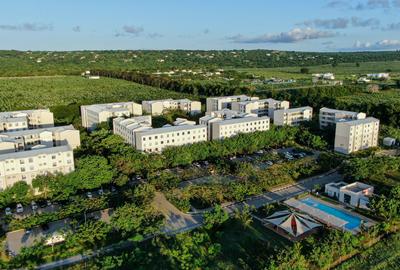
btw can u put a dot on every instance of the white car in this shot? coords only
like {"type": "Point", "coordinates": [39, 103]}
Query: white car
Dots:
{"type": "Point", "coordinates": [100, 192]}
{"type": "Point", "coordinates": [34, 205]}
{"type": "Point", "coordinates": [89, 195]}
{"type": "Point", "coordinates": [8, 211]}
{"type": "Point", "coordinates": [20, 208]}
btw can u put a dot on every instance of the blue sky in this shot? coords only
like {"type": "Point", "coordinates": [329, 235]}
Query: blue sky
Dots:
{"type": "Point", "coordinates": [306, 25]}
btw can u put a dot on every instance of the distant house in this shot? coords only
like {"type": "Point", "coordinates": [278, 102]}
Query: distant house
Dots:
{"type": "Point", "coordinates": [356, 194]}
{"type": "Point", "coordinates": [388, 141]}
{"type": "Point", "coordinates": [379, 76]}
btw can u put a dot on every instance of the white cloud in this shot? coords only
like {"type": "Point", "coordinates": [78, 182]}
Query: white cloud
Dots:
{"type": "Point", "coordinates": [295, 35]}
{"type": "Point", "coordinates": [27, 27]}
{"type": "Point", "coordinates": [385, 44]}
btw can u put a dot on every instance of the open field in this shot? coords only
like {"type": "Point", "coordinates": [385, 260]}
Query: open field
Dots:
{"type": "Point", "coordinates": [342, 70]}
{"type": "Point", "coordinates": [65, 94]}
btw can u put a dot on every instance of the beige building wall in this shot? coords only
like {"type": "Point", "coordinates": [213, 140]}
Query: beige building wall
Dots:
{"type": "Point", "coordinates": [28, 119]}
{"type": "Point", "coordinates": [231, 127]}
{"type": "Point", "coordinates": [157, 139]}
{"type": "Point", "coordinates": [329, 117]}
{"type": "Point", "coordinates": [92, 115]}
{"type": "Point", "coordinates": [27, 165]}
{"type": "Point", "coordinates": [262, 107]}
{"type": "Point", "coordinates": [220, 103]}
{"type": "Point", "coordinates": [352, 136]}
{"type": "Point", "coordinates": [292, 117]}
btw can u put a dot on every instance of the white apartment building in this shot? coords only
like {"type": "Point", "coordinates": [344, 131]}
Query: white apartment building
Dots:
{"type": "Point", "coordinates": [126, 128]}
{"type": "Point", "coordinates": [329, 117]}
{"type": "Point", "coordinates": [261, 107]}
{"type": "Point", "coordinates": [231, 127]}
{"type": "Point", "coordinates": [356, 194]}
{"type": "Point", "coordinates": [351, 136]}
{"type": "Point", "coordinates": [158, 107]}
{"type": "Point", "coordinates": [220, 115]}
{"type": "Point", "coordinates": [26, 165]}
{"type": "Point", "coordinates": [219, 103]}
{"type": "Point", "coordinates": [292, 117]}
{"type": "Point", "coordinates": [27, 119]}
{"type": "Point", "coordinates": [157, 139]}
{"type": "Point", "coordinates": [98, 113]}
{"type": "Point", "coordinates": [49, 137]}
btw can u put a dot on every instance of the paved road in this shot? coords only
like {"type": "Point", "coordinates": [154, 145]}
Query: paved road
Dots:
{"type": "Point", "coordinates": [180, 222]}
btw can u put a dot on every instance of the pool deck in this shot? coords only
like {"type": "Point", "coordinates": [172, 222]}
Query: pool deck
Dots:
{"type": "Point", "coordinates": [326, 218]}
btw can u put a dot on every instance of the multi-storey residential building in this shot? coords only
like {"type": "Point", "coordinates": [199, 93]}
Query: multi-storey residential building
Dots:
{"type": "Point", "coordinates": [292, 117]}
{"type": "Point", "coordinates": [49, 137]}
{"type": "Point", "coordinates": [126, 128]}
{"type": "Point", "coordinates": [220, 115]}
{"type": "Point", "coordinates": [26, 165]}
{"type": "Point", "coordinates": [183, 121]}
{"type": "Point", "coordinates": [261, 107]}
{"type": "Point", "coordinates": [329, 117]}
{"type": "Point", "coordinates": [28, 119]}
{"type": "Point", "coordinates": [155, 140]}
{"type": "Point", "coordinates": [158, 107]}
{"type": "Point", "coordinates": [355, 135]}
{"type": "Point", "coordinates": [231, 127]}
{"type": "Point", "coordinates": [92, 115]}
{"type": "Point", "coordinates": [219, 103]}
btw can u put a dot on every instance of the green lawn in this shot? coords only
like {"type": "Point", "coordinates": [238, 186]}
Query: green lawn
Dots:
{"type": "Point", "coordinates": [251, 246]}
{"type": "Point", "coordinates": [65, 94]}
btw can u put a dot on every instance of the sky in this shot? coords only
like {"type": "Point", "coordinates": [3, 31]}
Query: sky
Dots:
{"type": "Point", "coordinates": [301, 25]}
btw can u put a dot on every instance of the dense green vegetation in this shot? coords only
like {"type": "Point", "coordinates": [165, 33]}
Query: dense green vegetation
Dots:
{"type": "Point", "coordinates": [64, 95]}
{"type": "Point", "coordinates": [19, 63]}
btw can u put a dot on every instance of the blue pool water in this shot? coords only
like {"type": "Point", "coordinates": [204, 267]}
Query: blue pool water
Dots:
{"type": "Point", "coordinates": [352, 221]}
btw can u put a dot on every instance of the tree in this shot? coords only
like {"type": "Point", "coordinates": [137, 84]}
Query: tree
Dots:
{"type": "Point", "coordinates": [215, 217]}
{"type": "Point", "coordinates": [90, 234]}
{"type": "Point", "coordinates": [289, 259]}
{"type": "Point", "coordinates": [357, 64]}
{"type": "Point", "coordinates": [92, 172]}
{"type": "Point", "coordinates": [304, 70]}
{"type": "Point", "coordinates": [136, 222]}
{"type": "Point", "coordinates": [244, 216]}
{"type": "Point", "coordinates": [189, 251]}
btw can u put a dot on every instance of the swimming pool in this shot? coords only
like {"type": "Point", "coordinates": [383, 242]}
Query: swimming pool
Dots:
{"type": "Point", "coordinates": [353, 222]}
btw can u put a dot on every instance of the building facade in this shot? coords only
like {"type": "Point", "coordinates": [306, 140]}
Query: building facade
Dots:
{"type": "Point", "coordinates": [220, 103]}
{"type": "Point", "coordinates": [28, 119]}
{"type": "Point", "coordinates": [329, 117]}
{"type": "Point", "coordinates": [27, 165]}
{"type": "Point", "coordinates": [352, 136]}
{"type": "Point", "coordinates": [231, 127]}
{"type": "Point", "coordinates": [92, 115]}
{"type": "Point", "coordinates": [356, 194]}
{"type": "Point", "coordinates": [27, 139]}
{"type": "Point", "coordinates": [261, 107]}
{"type": "Point", "coordinates": [126, 128]}
{"type": "Point", "coordinates": [292, 117]}
{"type": "Point", "coordinates": [157, 139]}
{"type": "Point", "coordinates": [158, 107]}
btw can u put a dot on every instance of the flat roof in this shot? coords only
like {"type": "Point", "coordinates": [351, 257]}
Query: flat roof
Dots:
{"type": "Point", "coordinates": [170, 129]}
{"type": "Point", "coordinates": [241, 120]}
{"type": "Point", "coordinates": [298, 109]}
{"type": "Point", "coordinates": [329, 110]}
{"type": "Point", "coordinates": [34, 152]}
{"type": "Point", "coordinates": [367, 120]}
{"type": "Point", "coordinates": [37, 130]}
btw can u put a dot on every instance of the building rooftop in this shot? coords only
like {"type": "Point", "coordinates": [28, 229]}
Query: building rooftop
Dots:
{"type": "Point", "coordinates": [30, 153]}
{"type": "Point", "coordinates": [170, 129]}
{"type": "Point", "coordinates": [299, 109]}
{"type": "Point", "coordinates": [242, 120]}
{"type": "Point", "coordinates": [359, 121]}
{"type": "Point", "coordinates": [329, 110]}
{"type": "Point", "coordinates": [37, 131]}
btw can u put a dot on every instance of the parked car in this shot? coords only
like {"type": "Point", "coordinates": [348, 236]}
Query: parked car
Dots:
{"type": "Point", "coordinates": [113, 189]}
{"type": "Point", "coordinates": [20, 208]}
{"type": "Point", "coordinates": [8, 211]}
{"type": "Point", "coordinates": [34, 206]}
{"type": "Point", "coordinates": [48, 203]}
{"type": "Point", "coordinates": [89, 195]}
{"type": "Point", "coordinates": [100, 192]}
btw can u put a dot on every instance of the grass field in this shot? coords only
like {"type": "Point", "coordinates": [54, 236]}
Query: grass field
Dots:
{"type": "Point", "coordinates": [251, 246]}
{"type": "Point", "coordinates": [65, 94]}
{"type": "Point", "coordinates": [342, 71]}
